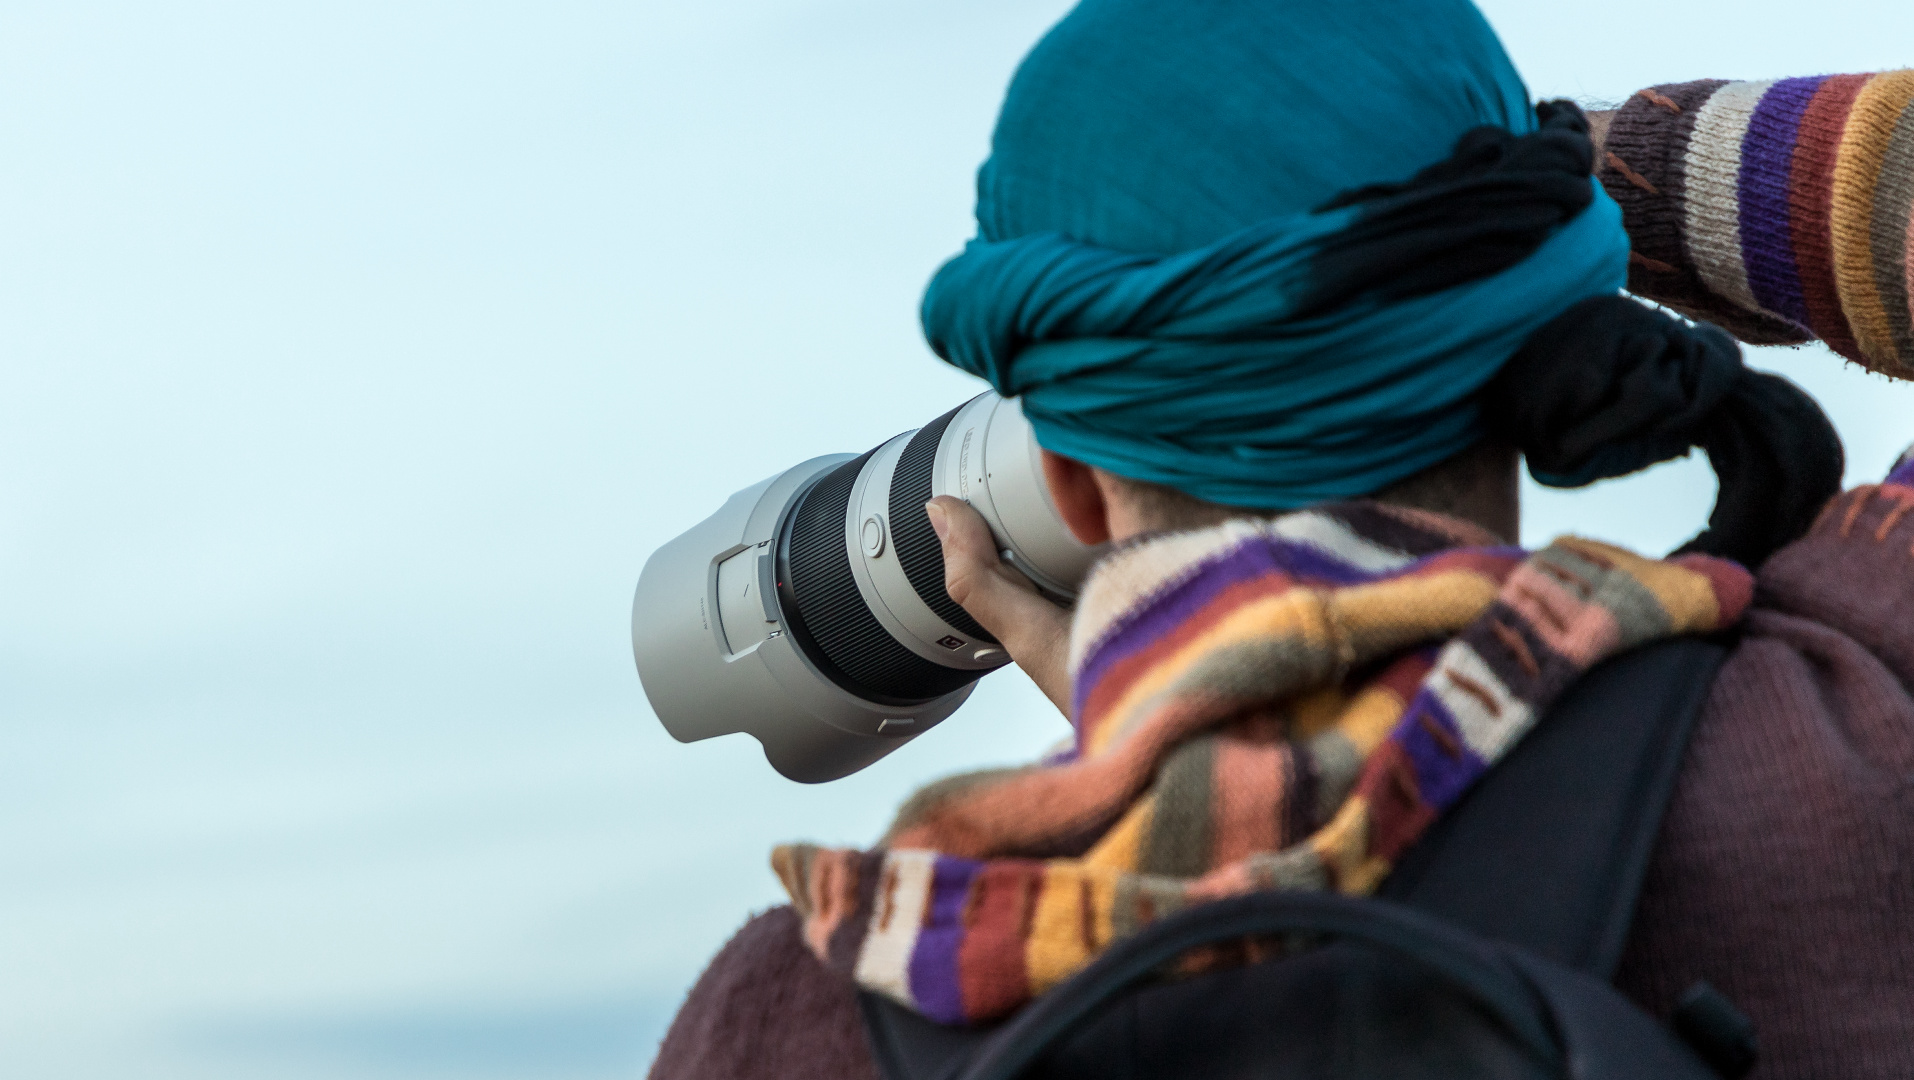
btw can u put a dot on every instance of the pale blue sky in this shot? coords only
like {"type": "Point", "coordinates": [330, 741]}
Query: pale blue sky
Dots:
{"type": "Point", "coordinates": [352, 358]}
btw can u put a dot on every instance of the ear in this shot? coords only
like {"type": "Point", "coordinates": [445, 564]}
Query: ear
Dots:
{"type": "Point", "coordinates": [1079, 498]}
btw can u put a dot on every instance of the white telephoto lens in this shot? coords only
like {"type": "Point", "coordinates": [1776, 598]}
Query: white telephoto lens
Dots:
{"type": "Point", "coordinates": [810, 610]}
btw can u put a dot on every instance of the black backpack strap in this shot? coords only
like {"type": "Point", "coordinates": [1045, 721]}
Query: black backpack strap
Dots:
{"type": "Point", "coordinates": [1461, 959]}
{"type": "Point", "coordinates": [906, 1046]}
{"type": "Point", "coordinates": [1549, 850]}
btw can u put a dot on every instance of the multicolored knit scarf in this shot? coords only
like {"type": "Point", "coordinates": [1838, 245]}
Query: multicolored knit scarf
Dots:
{"type": "Point", "coordinates": [1267, 704]}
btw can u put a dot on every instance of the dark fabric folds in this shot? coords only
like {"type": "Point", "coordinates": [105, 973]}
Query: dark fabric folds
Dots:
{"type": "Point", "coordinates": [1485, 208]}
{"type": "Point", "coordinates": [1612, 386]}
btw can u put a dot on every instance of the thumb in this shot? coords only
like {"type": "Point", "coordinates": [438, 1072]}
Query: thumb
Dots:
{"type": "Point", "coordinates": [1033, 630]}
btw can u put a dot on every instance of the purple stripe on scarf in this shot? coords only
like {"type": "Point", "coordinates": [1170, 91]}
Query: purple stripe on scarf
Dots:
{"type": "Point", "coordinates": [1251, 560]}
{"type": "Point", "coordinates": [1254, 558]}
{"type": "Point", "coordinates": [1149, 621]}
{"type": "Point", "coordinates": [936, 984]}
{"type": "Point", "coordinates": [1501, 551]}
{"type": "Point", "coordinates": [1904, 472]}
{"type": "Point", "coordinates": [1767, 165]}
{"type": "Point", "coordinates": [1314, 566]}
{"type": "Point", "coordinates": [1444, 767]}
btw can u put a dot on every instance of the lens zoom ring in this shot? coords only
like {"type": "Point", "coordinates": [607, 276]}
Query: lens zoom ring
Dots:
{"type": "Point", "coordinates": [828, 615]}
{"type": "Point", "coordinates": [918, 550]}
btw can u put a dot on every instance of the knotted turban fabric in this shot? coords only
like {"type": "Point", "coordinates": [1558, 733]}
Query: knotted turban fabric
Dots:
{"type": "Point", "coordinates": [1267, 252]}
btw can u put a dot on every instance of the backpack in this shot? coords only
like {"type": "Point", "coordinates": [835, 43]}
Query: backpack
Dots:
{"type": "Point", "coordinates": [1486, 954]}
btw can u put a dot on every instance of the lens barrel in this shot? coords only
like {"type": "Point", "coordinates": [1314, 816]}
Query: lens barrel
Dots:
{"type": "Point", "coordinates": [810, 611]}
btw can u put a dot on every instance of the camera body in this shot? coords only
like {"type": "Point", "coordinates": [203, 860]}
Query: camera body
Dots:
{"type": "Point", "coordinates": [810, 610]}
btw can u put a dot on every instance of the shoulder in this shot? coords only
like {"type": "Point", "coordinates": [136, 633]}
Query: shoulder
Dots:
{"type": "Point", "coordinates": [765, 1009]}
{"type": "Point", "coordinates": [1792, 826]}
{"type": "Point", "coordinates": [1854, 572]}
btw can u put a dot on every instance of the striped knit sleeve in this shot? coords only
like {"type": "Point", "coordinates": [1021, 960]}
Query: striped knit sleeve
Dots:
{"type": "Point", "coordinates": [1778, 209]}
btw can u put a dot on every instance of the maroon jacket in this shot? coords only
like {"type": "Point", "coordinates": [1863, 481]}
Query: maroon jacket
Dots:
{"type": "Point", "coordinates": [1784, 874]}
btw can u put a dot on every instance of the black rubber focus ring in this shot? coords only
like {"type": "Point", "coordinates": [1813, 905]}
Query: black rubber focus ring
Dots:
{"type": "Point", "coordinates": [919, 551]}
{"type": "Point", "coordinates": [826, 614]}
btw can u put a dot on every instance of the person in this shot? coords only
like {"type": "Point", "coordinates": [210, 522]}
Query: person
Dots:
{"type": "Point", "coordinates": [1291, 390]}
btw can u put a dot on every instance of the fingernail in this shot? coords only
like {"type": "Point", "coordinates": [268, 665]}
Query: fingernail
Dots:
{"type": "Point", "coordinates": [936, 515]}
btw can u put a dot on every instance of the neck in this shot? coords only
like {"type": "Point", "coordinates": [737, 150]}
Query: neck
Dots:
{"type": "Point", "coordinates": [1477, 486]}
{"type": "Point", "coordinates": [1481, 485]}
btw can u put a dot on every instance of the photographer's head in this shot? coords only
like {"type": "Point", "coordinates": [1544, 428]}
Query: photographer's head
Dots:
{"type": "Point", "coordinates": [1270, 255]}
{"type": "Point", "coordinates": [1191, 277]}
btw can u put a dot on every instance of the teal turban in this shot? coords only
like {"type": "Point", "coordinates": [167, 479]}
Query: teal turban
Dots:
{"type": "Point", "coordinates": [1166, 227]}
